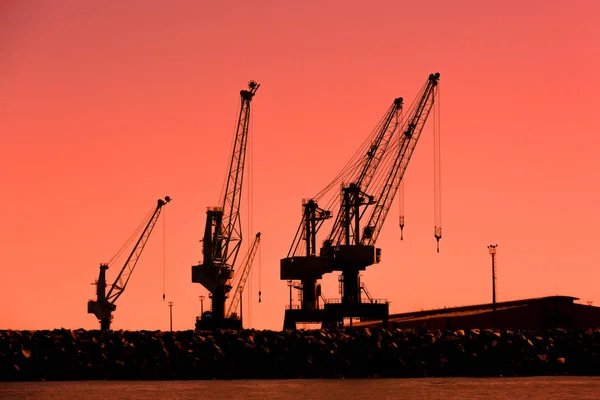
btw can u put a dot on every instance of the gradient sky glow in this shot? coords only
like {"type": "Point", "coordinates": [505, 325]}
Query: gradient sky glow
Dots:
{"type": "Point", "coordinates": [106, 107]}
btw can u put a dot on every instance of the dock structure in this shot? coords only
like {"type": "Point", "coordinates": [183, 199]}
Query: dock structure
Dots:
{"type": "Point", "coordinates": [526, 314]}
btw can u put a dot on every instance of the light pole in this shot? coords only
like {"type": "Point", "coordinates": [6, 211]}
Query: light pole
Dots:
{"type": "Point", "coordinates": [492, 249]}
{"type": "Point", "coordinates": [201, 297]}
{"type": "Point", "coordinates": [171, 316]}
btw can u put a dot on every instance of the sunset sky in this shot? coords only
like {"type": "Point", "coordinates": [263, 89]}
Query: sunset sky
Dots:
{"type": "Point", "coordinates": [105, 107]}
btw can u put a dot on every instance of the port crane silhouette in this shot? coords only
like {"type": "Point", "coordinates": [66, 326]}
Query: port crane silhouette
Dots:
{"type": "Point", "coordinates": [236, 300]}
{"type": "Point", "coordinates": [223, 230]}
{"type": "Point", "coordinates": [369, 183]}
{"type": "Point", "coordinates": [104, 305]}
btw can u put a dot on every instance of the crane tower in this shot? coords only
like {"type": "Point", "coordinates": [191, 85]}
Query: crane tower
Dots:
{"type": "Point", "coordinates": [223, 231]}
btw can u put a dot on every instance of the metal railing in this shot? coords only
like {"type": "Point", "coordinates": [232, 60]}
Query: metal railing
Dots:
{"type": "Point", "coordinates": [298, 307]}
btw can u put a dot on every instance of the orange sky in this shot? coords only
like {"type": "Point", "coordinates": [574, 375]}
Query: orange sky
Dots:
{"type": "Point", "coordinates": [106, 108]}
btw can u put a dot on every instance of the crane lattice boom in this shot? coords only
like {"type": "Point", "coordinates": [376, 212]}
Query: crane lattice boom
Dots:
{"type": "Point", "coordinates": [230, 237]}
{"type": "Point", "coordinates": [246, 267]}
{"type": "Point", "coordinates": [360, 169]}
{"type": "Point", "coordinates": [122, 279]}
{"type": "Point", "coordinates": [406, 145]}
{"type": "Point", "coordinates": [370, 165]}
{"type": "Point", "coordinates": [104, 304]}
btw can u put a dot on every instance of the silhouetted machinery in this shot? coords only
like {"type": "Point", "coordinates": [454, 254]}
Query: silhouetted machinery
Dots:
{"type": "Point", "coordinates": [369, 183]}
{"type": "Point", "coordinates": [104, 305]}
{"type": "Point", "coordinates": [234, 320]}
{"type": "Point", "coordinates": [223, 229]}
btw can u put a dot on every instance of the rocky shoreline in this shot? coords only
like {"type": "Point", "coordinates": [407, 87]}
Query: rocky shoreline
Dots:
{"type": "Point", "coordinates": [249, 354]}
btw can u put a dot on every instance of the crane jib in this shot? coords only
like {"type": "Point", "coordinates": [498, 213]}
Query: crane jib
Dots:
{"type": "Point", "coordinates": [229, 237]}
{"type": "Point", "coordinates": [407, 144]}
{"type": "Point", "coordinates": [104, 304]}
{"type": "Point", "coordinates": [136, 252]}
{"type": "Point", "coordinates": [246, 267]}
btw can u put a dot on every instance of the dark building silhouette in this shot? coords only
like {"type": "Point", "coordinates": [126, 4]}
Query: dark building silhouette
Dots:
{"type": "Point", "coordinates": [536, 313]}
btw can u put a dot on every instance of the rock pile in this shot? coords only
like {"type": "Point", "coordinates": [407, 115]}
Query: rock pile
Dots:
{"type": "Point", "coordinates": [247, 354]}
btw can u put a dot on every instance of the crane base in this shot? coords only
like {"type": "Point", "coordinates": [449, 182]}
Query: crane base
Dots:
{"type": "Point", "coordinates": [336, 312]}
{"type": "Point", "coordinates": [332, 316]}
{"type": "Point", "coordinates": [208, 324]}
{"type": "Point", "coordinates": [294, 316]}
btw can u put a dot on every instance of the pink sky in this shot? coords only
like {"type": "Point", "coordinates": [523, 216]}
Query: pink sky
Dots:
{"type": "Point", "coordinates": [106, 108]}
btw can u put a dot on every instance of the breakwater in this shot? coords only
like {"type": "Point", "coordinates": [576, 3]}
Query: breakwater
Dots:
{"type": "Point", "coordinates": [249, 354]}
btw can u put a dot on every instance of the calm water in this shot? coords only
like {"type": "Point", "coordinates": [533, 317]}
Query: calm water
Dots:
{"type": "Point", "coordinates": [426, 388]}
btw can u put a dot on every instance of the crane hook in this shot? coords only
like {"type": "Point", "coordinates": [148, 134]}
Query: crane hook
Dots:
{"type": "Point", "coordinates": [438, 235]}
{"type": "Point", "coordinates": [401, 223]}
{"type": "Point", "coordinates": [259, 296]}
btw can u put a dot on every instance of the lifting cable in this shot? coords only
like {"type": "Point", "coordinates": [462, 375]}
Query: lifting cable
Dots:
{"type": "Point", "coordinates": [228, 159]}
{"type": "Point", "coordinates": [381, 174]}
{"type": "Point", "coordinates": [250, 231]}
{"type": "Point", "coordinates": [354, 162]}
{"type": "Point", "coordinates": [401, 208]}
{"type": "Point", "coordinates": [132, 237]}
{"type": "Point", "coordinates": [401, 220]}
{"type": "Point", "coordinates": [252, 212]}
{"type": "Point", "coordinates": [164, 255]}
{"type": "Point", "coordinates": [437, 172]}
{"type": "Point", "coordinates": [259, 273]}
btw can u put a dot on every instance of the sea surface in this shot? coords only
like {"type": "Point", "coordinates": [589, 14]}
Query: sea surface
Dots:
{"type": "Point", "coordinates": [360, 389]}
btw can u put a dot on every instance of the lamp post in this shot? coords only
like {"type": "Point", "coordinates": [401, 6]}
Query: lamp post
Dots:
{"type": "Point", "coordinates": [492, 250]}
{"type": "Point", "coordinates": [201, 297]}
{"type": "Point", "coordinates": [171, 316]}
